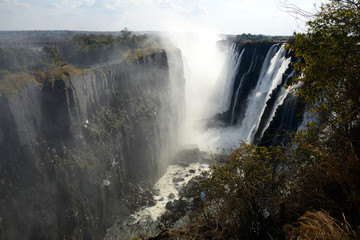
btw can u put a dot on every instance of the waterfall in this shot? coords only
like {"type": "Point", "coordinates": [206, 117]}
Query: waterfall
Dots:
{"type": "Point", "coordinates": [232, 64]}
{"type": "Point", "coordinates": [241, 85]}
{"type": "Point", "coordinates": [231, 96]}
{"type": "Point", "coordinates": [283, 93]}
{"type": "Point", "coordinates": [254, 91]}
{"type": "Point", "coordinates": [270, 77]}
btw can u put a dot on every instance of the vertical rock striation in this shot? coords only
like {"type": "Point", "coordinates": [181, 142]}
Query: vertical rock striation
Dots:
{"type": "Point", "coordinates": [259, 105]}
{"type": "Point", "coordinates": [73, 152]}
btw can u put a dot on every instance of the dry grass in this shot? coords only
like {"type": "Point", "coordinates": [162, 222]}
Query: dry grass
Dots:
{"type": "Point", "coordinates": [143, 52]}
{"type": "Point", "coordinates": [61, 73]}
{"type": "Point", "coordinates": [317, 225]}
{"type": "Point", "coordinates": [13, 83]}
{"type": "Point", "coordinates": [140, 53]}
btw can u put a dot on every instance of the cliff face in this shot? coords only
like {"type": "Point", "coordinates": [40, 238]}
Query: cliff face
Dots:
{"type": "Point", "coordinates": [72, 152]}
{"type": "Point", "coordinates": [260, 107]}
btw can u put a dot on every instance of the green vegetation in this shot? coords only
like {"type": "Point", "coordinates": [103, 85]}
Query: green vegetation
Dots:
{"type": "Point", "coordinates": [244, 193]}
{"type": "Point", "coordinates": [54, 56]}
{"type": "Point", "coordinates": [21, 59]}
{"type": "Point", "coordinates": [256, 38]}
{"type": "Point", "coordinates": [141, 52]}
{"type": "Point", "coordinates": [311, 188]}
{"type": "Point", "coordinates": [91, 49]}
{"type": "Point", "coordinates": [331, 53]}
{"type": "Point", "coordinates": [62, 73]}
{"type": "Point", "coordinates": [19, 66]}
{"type": "Point", "coordinates": [12, 83]}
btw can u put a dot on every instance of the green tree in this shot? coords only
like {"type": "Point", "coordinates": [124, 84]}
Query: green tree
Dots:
{"type": "Point", "coordinates": [244, 192]}
{"type": "Point", "coordinates": [328, 176]}
{"type": "Point", "coordinates": [330, 72]}
{"type": "Point", "coordinates": [54, 56]}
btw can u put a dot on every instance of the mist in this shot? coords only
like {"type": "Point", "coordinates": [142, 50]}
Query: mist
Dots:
{"type": "Point", "coordinates": [204, 67]}
{"type": "Point", "coordinates": [126, 104]}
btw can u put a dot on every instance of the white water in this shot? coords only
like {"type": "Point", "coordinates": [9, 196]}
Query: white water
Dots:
{"type": "Point", "coordinates": [284, 92]}
{"type": "Point", "coordinates": [166, 186]}
{"type": "Point", "coordinates": [232, 64]}
{"type": "Point", "coordinates": [239, 86]}
{"type": "Point", "coordinates": [208, 91]}
{"type": "Point", "coordinates": [273, 68]}
{"type": "Point", "coordinates": [271, 74]}
{"type": "Point", "coordinates": [209, 83]}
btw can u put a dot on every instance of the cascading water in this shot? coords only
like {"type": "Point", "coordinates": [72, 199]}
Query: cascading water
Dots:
{"type": "Point", "coordinates": [255, 94]}
{"type": "Point", "coordinates": [271, 74]}
{"type": "Point", "coordinates": [232, 64]}
{"type": "Point", "coordinates": [279, 100]}
{"type": "Point", "coordinates": [240, 103]}
{"type": "Point", "coordinates": [243, 79]}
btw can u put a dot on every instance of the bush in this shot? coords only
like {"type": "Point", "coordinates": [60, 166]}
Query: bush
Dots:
{"type": "Point", "coordinates": [245, 192]}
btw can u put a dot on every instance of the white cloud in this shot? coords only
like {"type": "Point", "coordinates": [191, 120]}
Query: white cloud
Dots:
{"type": "Point", "coordinates": [13, 4]}
{"type": "Point", "coordinates": [116, 4]}
{"type": "Point", "coordinates": [198, 10]}
{"type": "Point", "coordinates": [89, 3]}
{"type": "Point", "coordinates": [183, 7]}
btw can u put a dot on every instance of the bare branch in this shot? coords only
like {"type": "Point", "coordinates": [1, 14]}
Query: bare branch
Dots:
{"type": "Point", "coordinates": [300, 15]}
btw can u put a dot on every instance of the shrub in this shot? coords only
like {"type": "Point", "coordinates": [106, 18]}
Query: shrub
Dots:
{"type": "Point", "coordinates": [245, 191]}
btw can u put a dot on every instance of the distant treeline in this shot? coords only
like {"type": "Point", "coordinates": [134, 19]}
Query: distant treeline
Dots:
{"type": "Point", "coordinates": [79, 49]}
{"type": "Point", "coordinates": [250, 37]}
{"type": "Point", "coordinates": [88, 49]}
{"type": "Point", "coordinates": [244, 38]}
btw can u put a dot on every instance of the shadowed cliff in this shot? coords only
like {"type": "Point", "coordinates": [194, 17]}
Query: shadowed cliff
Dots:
{"type": "Point", "coordinates": [74, 151]}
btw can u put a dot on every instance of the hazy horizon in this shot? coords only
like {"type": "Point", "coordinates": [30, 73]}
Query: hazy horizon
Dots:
{"type": "Point", "coordinates": [225, 17]}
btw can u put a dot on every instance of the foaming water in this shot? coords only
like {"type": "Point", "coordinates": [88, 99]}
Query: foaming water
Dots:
{"type": "Point", "coordinates": [168, 187]}
{"type": "Point", "coordinates": [271, 74]}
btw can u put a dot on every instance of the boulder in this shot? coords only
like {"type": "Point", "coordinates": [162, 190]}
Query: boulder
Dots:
{"type": "Point", "coordinates": [178, 179]}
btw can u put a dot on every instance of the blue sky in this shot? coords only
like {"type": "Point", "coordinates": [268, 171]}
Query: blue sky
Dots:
{"type": "Point", "coordinates": [222, 16]}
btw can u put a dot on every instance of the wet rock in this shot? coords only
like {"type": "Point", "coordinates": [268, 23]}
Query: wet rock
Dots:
{"type": "Point", "coordinates": [151, 202]}
{"type": "Point", "coordinates": [178, 179]}
{"type": "Point", "coordinates": [191, 189]}
{"type": "Point", "coordinates": [156, 192]}
{"type": "Point", "coordinates": [171, 196]}
{"type": "Point", "coordinates": [178, 206]}
{"type": "Point", "coordinates": [159, 198]}
{"type": "Point", "coordinates": [170, 216]}
{"type": "Point", "coordinates": [191, 154]}
{"type": "Point", "coordinates": [169, 206]}
{"type": "Point", "coordinates": [192, 171]}
{"type": "Point", "coordinates": [183, 164]}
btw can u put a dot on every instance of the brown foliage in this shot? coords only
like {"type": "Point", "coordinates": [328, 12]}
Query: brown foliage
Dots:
{"type": "Point", "coordinates": [317, 225]}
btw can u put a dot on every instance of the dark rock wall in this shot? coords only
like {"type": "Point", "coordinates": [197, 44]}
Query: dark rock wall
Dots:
{"type": "Point", "coordinates": [245, 81]}
{"type": "Point", "coordinates": [73, 153]}
{"type": "Point", "coordinates": [288, 116]}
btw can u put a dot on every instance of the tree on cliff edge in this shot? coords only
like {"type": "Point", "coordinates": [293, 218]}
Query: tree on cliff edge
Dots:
{"type": "Point", "coordinates": [310, 190]}
{"type": "Point", "coordinates": [331, 68]}
{"type": "Point", "coordinates": [329, 179]}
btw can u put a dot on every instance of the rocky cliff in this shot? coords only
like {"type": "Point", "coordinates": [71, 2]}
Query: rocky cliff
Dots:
{"type": "Point", "coordinates": [75, 150]}
{"type": "Point", "coordinates": [260, 105]}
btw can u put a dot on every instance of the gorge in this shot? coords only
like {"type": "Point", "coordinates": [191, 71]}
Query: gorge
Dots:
{"type": "Point", "coordinates": [84, 147]}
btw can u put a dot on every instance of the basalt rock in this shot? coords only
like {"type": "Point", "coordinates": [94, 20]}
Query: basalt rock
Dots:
{"type": "Point", "coordinates": [73, 152]}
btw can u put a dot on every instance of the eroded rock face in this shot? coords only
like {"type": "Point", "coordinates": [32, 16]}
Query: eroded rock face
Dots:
{"type": "Point", "coordinates": [73, 153]}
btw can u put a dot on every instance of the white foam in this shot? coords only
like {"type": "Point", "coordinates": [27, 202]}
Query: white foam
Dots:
{"type": "Point", "coordinates": [166, 187]}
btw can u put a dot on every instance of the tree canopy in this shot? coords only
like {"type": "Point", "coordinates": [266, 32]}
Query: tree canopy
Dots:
{"type": "Point", "coordinates": [311, 188]}
{"type": "Point", "coordinates": [330, 72]}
